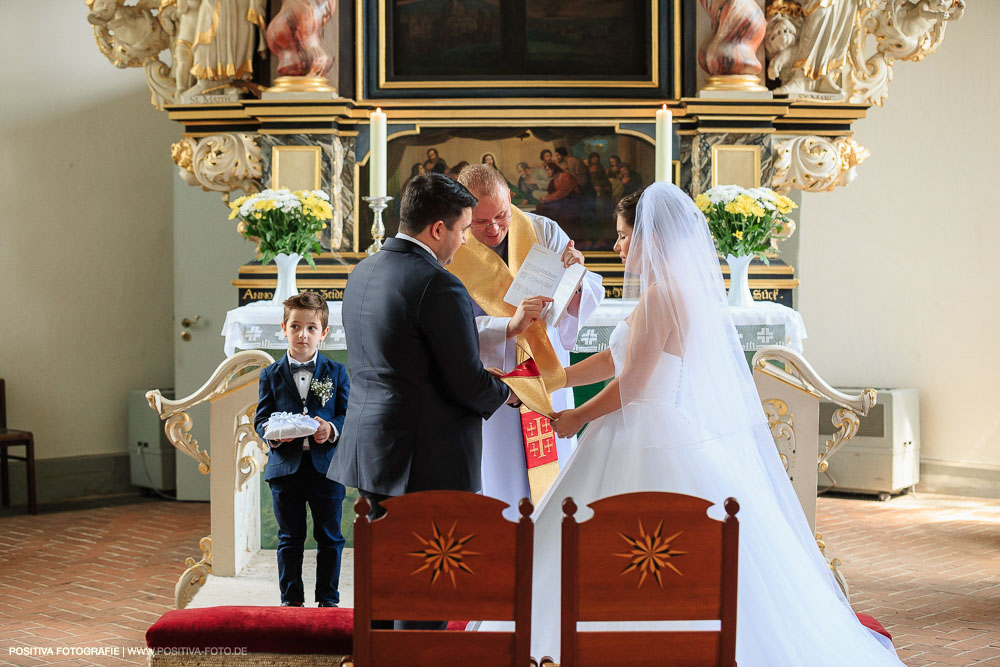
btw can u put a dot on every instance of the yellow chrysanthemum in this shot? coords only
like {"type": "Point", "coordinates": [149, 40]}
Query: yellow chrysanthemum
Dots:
{"type": "Point", "coordinates": [703, 202]}
{"type": "Point", "coordinates": [235, 212]}
{"type": "Point", "coordinates": [738, 234]}
{"type": "Point", "coordinates": [757, 210]}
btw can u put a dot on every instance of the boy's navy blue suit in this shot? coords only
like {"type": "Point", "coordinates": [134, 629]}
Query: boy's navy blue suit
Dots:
{"type": "Point", "coordinates": [298, 477]}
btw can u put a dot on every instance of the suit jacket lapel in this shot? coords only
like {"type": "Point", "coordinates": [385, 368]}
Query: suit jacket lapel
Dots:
{"type": "Point", "coordinates": [321, 373]}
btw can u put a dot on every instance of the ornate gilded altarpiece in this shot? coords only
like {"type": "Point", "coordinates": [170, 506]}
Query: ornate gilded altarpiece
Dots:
{"type": "Point", "coordinates": [258, 84]}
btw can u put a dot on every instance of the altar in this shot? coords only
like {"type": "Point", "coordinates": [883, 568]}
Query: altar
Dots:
{"type": "Point", "coordinates": [257, 326]}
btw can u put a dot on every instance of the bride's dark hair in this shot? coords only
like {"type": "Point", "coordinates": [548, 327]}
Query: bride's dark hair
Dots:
{"type": "Point", "coordinates": [626, 207]}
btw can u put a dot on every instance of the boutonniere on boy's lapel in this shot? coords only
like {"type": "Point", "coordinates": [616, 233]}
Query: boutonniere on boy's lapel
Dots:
{"type": "Point", "coordinates": [323, 389]}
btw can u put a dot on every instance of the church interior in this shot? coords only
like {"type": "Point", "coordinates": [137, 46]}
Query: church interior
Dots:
{"type": "Point", "coordinates": [133, 478]}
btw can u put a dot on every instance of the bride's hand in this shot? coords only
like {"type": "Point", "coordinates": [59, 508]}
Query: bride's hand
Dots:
{"type": "Point", "coordinates": [567, 423]}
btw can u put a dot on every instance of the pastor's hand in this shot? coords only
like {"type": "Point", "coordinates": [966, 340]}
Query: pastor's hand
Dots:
{"type": "Point", "coordinates": [571, 255]}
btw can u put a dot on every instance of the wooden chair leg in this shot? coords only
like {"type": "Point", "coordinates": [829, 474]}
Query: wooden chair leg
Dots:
{"type": "Point", "coordinates": [4, 477]}
{"type": "Point", "coordinates": [30, 461]}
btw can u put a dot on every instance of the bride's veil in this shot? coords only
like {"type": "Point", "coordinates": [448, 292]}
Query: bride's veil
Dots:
{"type": "Point", "coordinates": [672, 270]}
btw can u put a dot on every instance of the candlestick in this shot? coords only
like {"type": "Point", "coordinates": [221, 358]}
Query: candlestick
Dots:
{"type": "Point", "coordinates": [377, 205]}
{"type": "Point", "coordinates": [664, 144]}
{"type": "Point", "coordinates": [376, 163]}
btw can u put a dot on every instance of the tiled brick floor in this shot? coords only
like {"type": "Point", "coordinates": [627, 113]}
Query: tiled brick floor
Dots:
{"type": "Point", "coordinates": [92, 578]}
{"type": "Point", "coordinates": [927, 566]}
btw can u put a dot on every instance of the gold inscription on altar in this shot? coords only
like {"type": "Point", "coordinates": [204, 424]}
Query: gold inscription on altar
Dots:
{"type": "Point", "coordinates": [765, 294]}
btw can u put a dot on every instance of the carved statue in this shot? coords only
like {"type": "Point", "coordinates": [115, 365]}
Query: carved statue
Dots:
{"type": "Point", "coordinates": [211, 42]}
{"type": "Point", "coordinates": [128, 35]}
{"type": "Point", "coordinates": [821, 49]}
{"type": "Point", "coordinates": [782, 38]}
{"type": "Point", "coordinates": [295, 37]}
{"type": "Point", "coordinates": [905, 29]}
{"type": "Point", "coordinates": [729, 54]}
{"type": "Point", "coordinates": [220, 37]}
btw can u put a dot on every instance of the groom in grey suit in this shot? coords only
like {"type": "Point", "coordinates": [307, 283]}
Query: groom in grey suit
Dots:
{"type": "Point", "coordinates": [419, 392]}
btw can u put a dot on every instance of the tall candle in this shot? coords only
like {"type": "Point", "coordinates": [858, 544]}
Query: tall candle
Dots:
{"type": "Point", "coordinates": [376, 164]}
{"type": "Point", "coordinates": [664, 144]}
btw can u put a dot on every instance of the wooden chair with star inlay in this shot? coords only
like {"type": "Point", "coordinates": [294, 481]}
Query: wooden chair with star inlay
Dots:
{"type": "Point", "coordinates": [646, 557]}
{"type": "Point", "coordinates": [442, 556]}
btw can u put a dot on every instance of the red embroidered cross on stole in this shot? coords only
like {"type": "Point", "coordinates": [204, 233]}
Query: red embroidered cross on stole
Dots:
{"type": "Point", "coordinates": [540, 455]}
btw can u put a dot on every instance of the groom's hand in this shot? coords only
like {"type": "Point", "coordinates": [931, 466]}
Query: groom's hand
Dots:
{"type": "Point", "coordinates": [528, 312]}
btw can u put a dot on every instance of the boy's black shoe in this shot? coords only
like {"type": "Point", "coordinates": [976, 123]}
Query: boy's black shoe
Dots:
{"type": "Point", "coordinates": [289, 603]}
{"type": "Point", "coordinates": [324, 603]}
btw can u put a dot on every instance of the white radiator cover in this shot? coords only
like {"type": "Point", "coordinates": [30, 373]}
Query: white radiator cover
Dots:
{"type": "Point", "coordinates": [884, 457]}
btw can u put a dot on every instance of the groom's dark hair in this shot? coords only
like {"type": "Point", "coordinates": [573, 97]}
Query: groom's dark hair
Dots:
{"type": "Point", "coordinates": [427, 199]}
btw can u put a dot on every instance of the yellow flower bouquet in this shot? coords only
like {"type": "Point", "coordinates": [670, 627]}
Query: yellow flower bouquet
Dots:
{"type": "Point", "coordinates": [745, 221]}
{"type": "Point", "coordinates": [283, 221]}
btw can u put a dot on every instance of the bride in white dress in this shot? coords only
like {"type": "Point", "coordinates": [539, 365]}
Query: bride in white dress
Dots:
{"type": "Point", "coordinates": [692, 423]}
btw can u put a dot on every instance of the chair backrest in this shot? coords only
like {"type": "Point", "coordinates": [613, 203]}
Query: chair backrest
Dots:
{"type": "Point", "coordinates": [442, 556]}
{"type": "Point", "coordinates": [649, 557]}
{"type": "Point", "coordinates": [3, 404]}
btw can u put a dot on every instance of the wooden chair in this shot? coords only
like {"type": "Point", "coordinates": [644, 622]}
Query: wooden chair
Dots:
{"type": "Point", "coordinates": [442, 555]}
{"type": "Point", "coordinates": [14, 438]}
{"type": "Point", "coordinates": [649, 557]}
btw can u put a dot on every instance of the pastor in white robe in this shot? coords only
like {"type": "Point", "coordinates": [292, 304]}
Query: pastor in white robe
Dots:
{"type": "Point", "coordinates": [505, 473]}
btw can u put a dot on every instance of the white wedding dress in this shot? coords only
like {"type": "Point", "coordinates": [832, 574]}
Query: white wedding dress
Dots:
{"type": "Point", "coordinates": [790, 612]}
{"type": "Point", "coordinates": [693, 424]}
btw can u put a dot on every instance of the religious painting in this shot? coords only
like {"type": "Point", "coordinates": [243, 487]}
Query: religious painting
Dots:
{"type": "Point", "coordinates": [520, 38]}
{"type": "Point", "coordinates": [608, 48]}
{"type": "Point", "coordinates": [574, 176]}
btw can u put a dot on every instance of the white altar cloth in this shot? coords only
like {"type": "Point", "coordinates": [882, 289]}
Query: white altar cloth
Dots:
{"type": "Point", "coordinates": [257, 326]}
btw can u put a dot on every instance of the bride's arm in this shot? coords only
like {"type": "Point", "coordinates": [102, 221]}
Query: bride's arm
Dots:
{"type": "Point", "coordinates": [595, 368]}
{"type": "Point", "coordinates": [569, 422]}
{"type": "Point", "coordinates": [651, 325]}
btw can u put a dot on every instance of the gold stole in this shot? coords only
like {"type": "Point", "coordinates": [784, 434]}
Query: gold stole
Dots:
{"type": "Point", "coordinates": [487, 278]}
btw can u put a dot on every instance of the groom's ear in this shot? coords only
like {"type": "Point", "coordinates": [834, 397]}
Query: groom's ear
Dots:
{"type": "Point", "coordinates": [437, 229]}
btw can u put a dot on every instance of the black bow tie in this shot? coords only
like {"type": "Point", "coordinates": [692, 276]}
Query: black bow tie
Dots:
{"type": "Point", "coordinates": [309, 366]}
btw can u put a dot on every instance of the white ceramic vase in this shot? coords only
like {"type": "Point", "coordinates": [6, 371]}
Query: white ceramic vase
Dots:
{"type": "Point", "coordinates": [739, 280]}
{"type": "Point", "coordinates": [286, 276]}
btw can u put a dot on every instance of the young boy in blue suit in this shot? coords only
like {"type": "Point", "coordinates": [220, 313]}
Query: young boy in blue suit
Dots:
{"type": "Point", "coordinates": [305, 382]}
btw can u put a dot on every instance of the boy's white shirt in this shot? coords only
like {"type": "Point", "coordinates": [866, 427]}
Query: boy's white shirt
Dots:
{"type": "Point", "coordinates": [302, 381]}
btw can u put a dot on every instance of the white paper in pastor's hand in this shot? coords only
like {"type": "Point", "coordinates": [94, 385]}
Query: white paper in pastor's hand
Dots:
{"type": "Point", "coordinates": [542, 274]}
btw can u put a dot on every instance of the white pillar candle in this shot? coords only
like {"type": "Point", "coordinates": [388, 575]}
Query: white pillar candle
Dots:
{"type": "Point", "coordinates": [664, 144]}
{"type": "Point", "coordinates": [376, 164]}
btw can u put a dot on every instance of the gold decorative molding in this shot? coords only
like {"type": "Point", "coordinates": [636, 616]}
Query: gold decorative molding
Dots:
{"type": "Point", "coordinates": [220, 162]}
{"type": "Point", "coordinates": [782, 425]}
{"type": "Point", "coordinates": [798, 373]}
{"type": "Point", "coordinates": [821, 52]}
{"type": "Point", "coordinates": [834, 565]}
{"type": "Point", "coordinates": [245, 437]}
{"type": "Point", "coordinates": [194, 577]}
{"type": "Point", "coordinates": [174, 412]}
{"type": "Point", "coordinates": [816, 164]}
{"type": "Point", "coordinates": [903, 29]}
